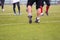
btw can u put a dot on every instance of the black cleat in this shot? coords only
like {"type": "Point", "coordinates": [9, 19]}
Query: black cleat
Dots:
{"type": "Point", "coordinates": [37, 21]}
{"type": "Point", "coordinates": [46, 13]}
{"type": "Point", "coordinates": [30, 19]}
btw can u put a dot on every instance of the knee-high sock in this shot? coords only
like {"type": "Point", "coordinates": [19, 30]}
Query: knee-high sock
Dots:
{"type": "Point", "coordinates": [47, 8]}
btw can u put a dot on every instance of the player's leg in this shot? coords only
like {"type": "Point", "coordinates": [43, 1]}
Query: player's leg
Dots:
{"type": "Point", "coordinates": [42, 8]}
{"type": "Point", "coordinates": [2, 4]}
{"type": "Point", "coordinates": [3, 8]}
{"type": "Point", "coordinates": [38, 7]}
{"type": "Point", "coordinates": [14, 6]}
{"type": "Point", "coordinates": [18, 5]}
{"type": "Point", "coordinates": [48, 6]}
{"type": "Point", "coordinates": [42, 3]}
{"type": "Point", "coordinates": [38, 16]}
{"type": "Point", "coordinates": [29, 9]}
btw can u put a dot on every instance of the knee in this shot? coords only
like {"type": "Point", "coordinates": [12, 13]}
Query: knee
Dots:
{"type": "Point", "coordinates": [29, 8]}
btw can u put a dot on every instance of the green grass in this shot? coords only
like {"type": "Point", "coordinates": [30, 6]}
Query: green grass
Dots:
{"type": "Point", "coordinates": [17, 27]}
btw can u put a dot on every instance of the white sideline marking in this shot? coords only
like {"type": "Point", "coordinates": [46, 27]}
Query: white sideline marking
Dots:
{"type": "Point", "coordinates": [6, 14]}
{"type": "Point", "coordinates": [50, 21]}
{"type": "Point", "coordinates": [28, 23]}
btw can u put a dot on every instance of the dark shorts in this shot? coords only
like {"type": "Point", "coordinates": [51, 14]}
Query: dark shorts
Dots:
{"type": "Point", "coordinates": [46, 1]}
{"type": "Point", "coordinates": [38, 3]}
{"type": "Point", "coordinates": [2, 2]}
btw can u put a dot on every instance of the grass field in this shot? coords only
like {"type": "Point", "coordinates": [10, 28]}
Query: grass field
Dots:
{"type": "Point", "coordinates": [17, 27]}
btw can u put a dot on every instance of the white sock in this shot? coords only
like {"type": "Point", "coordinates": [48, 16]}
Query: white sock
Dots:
{"type": "Point", "coordinates": [29, 14]}
{"type": "Point", "coordinates": [38, 18]}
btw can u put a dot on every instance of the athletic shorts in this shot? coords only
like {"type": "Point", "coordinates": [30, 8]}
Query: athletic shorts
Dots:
{"type": "Point", "coordinates": [2, 2]}
{"type": "Point", "coordinates": [46, 1]}
{"type": "Point", "coordinates": [38, 3]}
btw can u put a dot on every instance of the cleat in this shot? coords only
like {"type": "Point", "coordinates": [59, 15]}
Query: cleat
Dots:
{"type": "Point", "coordinates": [14, 14]}
{"type": "Point", "coordinates": [30, 19]}
{"type": "Point", "coordinates": [46, 13]}
{"type": "Point", "coordinates": [20, 13]}
{"type": "Point", "coordinates": [3, 10]}
{"type": "Point", "coordinates": [37, 21]}
{"type": "Point", "coordinates": [42, 14]}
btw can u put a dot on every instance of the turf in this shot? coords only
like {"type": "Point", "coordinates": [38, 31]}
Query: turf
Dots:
{"type": "Point", "coordinates": [17, 27]}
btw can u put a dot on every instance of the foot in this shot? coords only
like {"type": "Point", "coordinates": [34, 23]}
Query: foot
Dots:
{"type": "Point", "coordinates": [30, 19]}
{"type": "Point", "coordinates": [2, 10]}
{"type": "Point", "coordinates": [42, 14]}
{"type": "Point", "coordinates": [14, 14]}
{"type": "Point", "coordinates": [46, 13]}
{"type": "Point", "coordinates": [37, 21]}
{"type": "Point", "coordinates": [20, 13]}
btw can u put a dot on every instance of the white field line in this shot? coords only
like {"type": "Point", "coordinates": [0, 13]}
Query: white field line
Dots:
{"type": "Point", "coordinates": [6, 14]}
{"type": "Point", "coordinates": [28, 23]}
{"type": "Point", "coordinates": [50, 22]}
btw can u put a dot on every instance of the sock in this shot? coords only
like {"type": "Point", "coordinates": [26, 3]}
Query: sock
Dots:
{"type": "Point", "coordinates": [41, 9]}
{"type": "Point", "coordinates": [38, 18]}
{"type": "Point", "coordinates": [47, 8]}
{"type": "Point", "coordinates": [29, 14]}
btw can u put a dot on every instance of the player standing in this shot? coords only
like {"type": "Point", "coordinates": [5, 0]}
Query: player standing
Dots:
{"type": "Point", "coordinates": [29, 10]}
{"type": "Point", "coordinates": [16, 2]}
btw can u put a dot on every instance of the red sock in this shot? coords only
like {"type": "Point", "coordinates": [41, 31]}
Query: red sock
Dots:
{"type": "Point", "coordinates": [41, 11]}
{"type": "Point", "coordinates": [47, 8]}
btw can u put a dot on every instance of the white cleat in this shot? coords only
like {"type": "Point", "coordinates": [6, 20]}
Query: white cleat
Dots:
{"type": "Point", "coordinates": [3, 10]}
{"type": "Point", "coordinates": [14, 14]}
{"type": "Point", "coordinates": [20, 13]}
{"type": "Point", "coordinates": [37, 21]}
{"type": "Point", "coordinates": [41, 14]}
